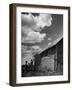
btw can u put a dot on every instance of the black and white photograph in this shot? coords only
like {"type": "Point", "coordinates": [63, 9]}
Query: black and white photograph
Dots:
{"type": "Point", "coordinates": [41, 44]}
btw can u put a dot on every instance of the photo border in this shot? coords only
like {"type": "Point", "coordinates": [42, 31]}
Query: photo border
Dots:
{"type": "Point", "coordinates": [12, 63]}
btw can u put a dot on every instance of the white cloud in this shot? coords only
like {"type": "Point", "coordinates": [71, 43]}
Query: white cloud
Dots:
{"type": "Point", "coordinates": [43, 20]}
{"type": "Point", "coordinates": [32, 36]}
{"type": "Point", "coordinates": [32, 25]}
{"type": "Point", "coordinates": [38, 22]}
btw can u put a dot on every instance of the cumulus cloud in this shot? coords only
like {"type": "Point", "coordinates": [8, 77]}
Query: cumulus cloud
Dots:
{"type": "Point", "coordinates": [32, 25]}
{"type": "Point", "coordinates": [36, 22]}
{"type": "Point", "coordinates": [30, 36]}
{"type": "Point", "coordinates": [34, 37]}
{"type": "Point", "coordinates": [43, 20]}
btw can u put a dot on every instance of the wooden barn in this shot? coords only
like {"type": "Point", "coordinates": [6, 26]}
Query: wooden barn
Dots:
{"type": "Point", "coordinates": [56, 63]}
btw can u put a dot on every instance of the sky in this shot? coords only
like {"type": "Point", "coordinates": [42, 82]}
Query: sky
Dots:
{"type": "Point", "coordinates": [40, 31]}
